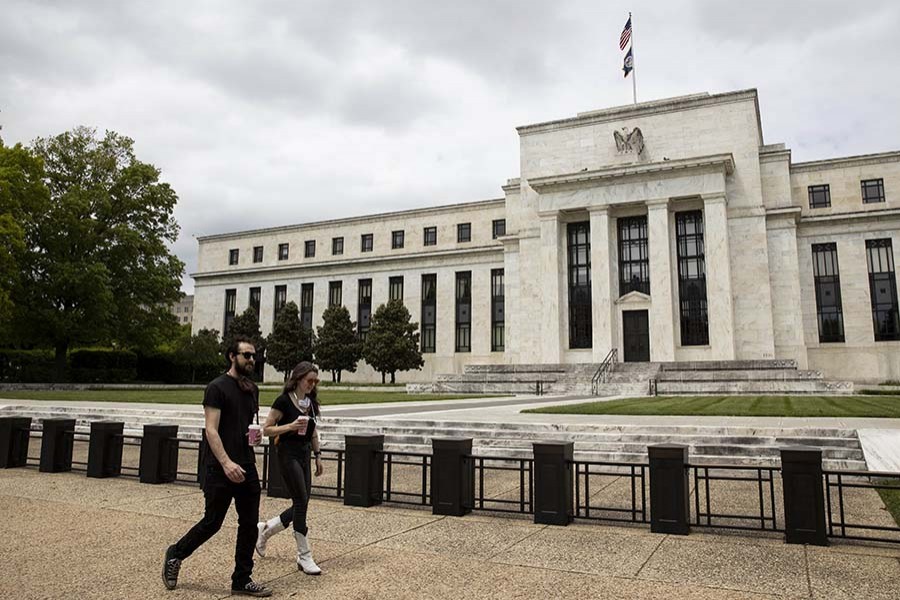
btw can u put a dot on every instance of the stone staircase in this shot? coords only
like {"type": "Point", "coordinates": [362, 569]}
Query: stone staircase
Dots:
{"type": "Point", "coordinates": [638, 379]}
{"type": "Point", "coordinates": [596, 442]}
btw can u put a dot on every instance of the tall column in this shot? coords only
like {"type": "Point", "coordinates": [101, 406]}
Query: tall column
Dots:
{"type": "Point", "coordinates": [549, 286]}
{"type": "Point", "coordinates": [662, 315]}
{"type": "Point", "coordinates": [602, 285]}
{"type": "Point", "coordinates": [718, 277]}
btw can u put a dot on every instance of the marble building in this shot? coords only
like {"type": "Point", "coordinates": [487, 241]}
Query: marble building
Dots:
{"type": "Point", "coordinates": [668, 230]}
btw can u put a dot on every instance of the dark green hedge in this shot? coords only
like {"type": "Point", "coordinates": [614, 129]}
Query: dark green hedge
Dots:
{"type": "Point", "coordinates": [26, 366]}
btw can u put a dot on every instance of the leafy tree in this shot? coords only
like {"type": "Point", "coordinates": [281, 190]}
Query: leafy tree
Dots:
{"type": "Point", "coordinates": [290, 342]}
{"type": "Point", "coordinates": [337, 347]}
{"type": "Point", "coordinates": [97, 266]}
{"type": "Point", "coordinates": [392, 343]}
{"type": "Point", "coordinates": [22, 196]}
{"type": "Point", "coordinates": [200, 352]}
{"type": "Point", "coordinates": [247, 324]}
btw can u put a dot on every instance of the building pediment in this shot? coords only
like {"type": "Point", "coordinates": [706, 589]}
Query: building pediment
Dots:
{"type": "Point", "coordinates": [634, 297]}
{"type": "Point", "coordinates": [723, 163]}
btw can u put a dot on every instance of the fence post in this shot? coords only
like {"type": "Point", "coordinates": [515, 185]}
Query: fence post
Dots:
{"type": "Point", "coordinates": [364, 478]}
{"type": "Point", "coordinates": [804, 496]}
{"type": "Point", "coordinates": [159, 454]}
{"type": "Point", "coordinates": [275, 487]}
{"type": "Point", "coordinates": [452, 476]}
{"type": "Point", "coordinates": [57, 438]}
{"type": "Point", "coordinates": [553, 490]}
{"type": "Point", "coordinates": [15, 433]}
{"type": "Point", "coordinates": [669, 489]}
{"type": "Point", "coordinates": [105, 449]}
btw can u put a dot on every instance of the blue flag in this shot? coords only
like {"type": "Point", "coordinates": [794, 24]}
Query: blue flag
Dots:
{"type": "Point", "coordinates": [628, 66]}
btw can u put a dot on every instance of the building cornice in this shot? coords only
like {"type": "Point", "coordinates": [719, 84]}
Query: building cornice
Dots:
{"type": "Point", "coordinates": [722, 161]}
{"type": "Point", "coordinates": [464, 206]}
{"type": "Point", "coordinates": [847, 161]}
{"type": "Point", "coordinates": [860, 215]}
{"type": "Point", "coordinates": [352, 263]}
{"type": "Point", "coordinates": [654, 107]}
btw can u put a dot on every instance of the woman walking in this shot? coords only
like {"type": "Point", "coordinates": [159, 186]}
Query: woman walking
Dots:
{"type": "Point", "coordinates": [292, 423]}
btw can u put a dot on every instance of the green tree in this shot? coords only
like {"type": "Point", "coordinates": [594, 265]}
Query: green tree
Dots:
{"type": "Point", "coordinates": [247, 324]}
{"type": "Point", "coordinates": [23, 195]}
{"type": "Point", "coordinates": [337, 347]}
{"type": "Point", "coordinates": [290, 342]}
{"type": "Point", "coordinates": [392, 343]}
{"type": "Point", "coordinates": [97, 268]}
{"type": "Point", "coordinates": [200, 352]}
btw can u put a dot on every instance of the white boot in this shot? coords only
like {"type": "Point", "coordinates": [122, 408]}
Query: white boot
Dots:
{"type": "Point", "coordinates": [305, 560]}
{"type": "Point", "coordinates": [266, 530]}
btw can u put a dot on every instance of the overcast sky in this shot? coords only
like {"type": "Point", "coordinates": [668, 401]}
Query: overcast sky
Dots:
{"type": "Point", "coordinates": [271, 113]}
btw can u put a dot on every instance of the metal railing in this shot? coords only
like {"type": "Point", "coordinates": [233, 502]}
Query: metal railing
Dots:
{"type": "Point", "coordinates": [637, 476]}
{"type": "Point", "coordinates": [392, 458]}
{"type": "Point", "coordinates": [764, 519]}
{"type": "Point", "coordinates": [837, 482]}
{"type": "Point", "coordinates": [524, 467]}
{"type": "Point", "coordinates": [335, 456]}
{"type": "Point", "coordinates": [604, 370]}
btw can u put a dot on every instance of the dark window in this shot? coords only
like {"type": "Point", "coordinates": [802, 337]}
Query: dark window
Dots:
{"type": "Point", "coordinates": [364, 310]}
{"type": "Point", "coordinates": [337, 246]}
{"type": "Point", "coordinates": [230, 307]}
{"type": "Point", "coordinates": [306, 304]}
{"type": "Point", "coordinates": [826, 276]}
{"type": "Point", "coordinates": [233, 255]}
{"type": "Point", "coordinates": [283, 251]}
{"type": "Point", "coordinates": [693, 309]}
{"type": "Point", "coordinates": [256, 299]}
{"type": "Point", "coordinates": [464, 232]}
{"type": "Point", "coordinates": [395, 288]}
{"type": "Point", "coordinates": [464, 311]}
{"type": "Point", "coordinates": [366, 242]}
{"type": "Point", "coordinates": [819, 196]}
{"type": "Point", "coordinates": [579, 255]}
{"type": "Point", "coordinates": [334, 293]}
{"type": "Point", "coordinates": [498, 228]}
{"type": "Point", "coordinates": [497, 311]}
{"type": "Point", "coordinates": [309, 249]}
{"type": "Point", "coordinates": [257, 254]}
{"type": "Point", "coordinates": [872, 190]}
{"type": "Point", "coordinates": [634, 258]}
{"type": "Point", "coordinates": [429, 312]}
{"type": "Point", "coordinates": [430, 238]}
{"type": "Point", "coordinates": [280, 299]}
{"type": "Point", "coordinates": [883, 290]}
{"type": "Point", "coordinates": [397, 239]}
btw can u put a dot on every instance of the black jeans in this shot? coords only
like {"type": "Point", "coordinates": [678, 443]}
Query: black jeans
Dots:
{"type": "Point", "coordinates": [218, 492]}
{"type": "Point", "coordinates": [297, 479]}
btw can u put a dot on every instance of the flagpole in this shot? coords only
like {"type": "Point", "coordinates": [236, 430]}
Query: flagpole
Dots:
{"type": "Point", "coordinates": [633, 63]}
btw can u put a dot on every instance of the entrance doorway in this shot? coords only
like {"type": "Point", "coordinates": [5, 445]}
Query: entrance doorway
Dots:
{"type": "Point", "coordinates": [636, 335]}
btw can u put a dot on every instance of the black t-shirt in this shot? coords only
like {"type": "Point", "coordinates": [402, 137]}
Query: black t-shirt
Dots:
{"type": "Point", "coordinates": [289, 413]}
{"type": "Point", "coordinates": [238, 411]}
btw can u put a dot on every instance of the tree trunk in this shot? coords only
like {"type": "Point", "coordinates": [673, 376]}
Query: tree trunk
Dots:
{"type": "Point", "coordinates": [382, 377]}
{"type": "Point", "coordinates": [393, 379]}
{"type": "Point", "coordinates": [339, 376]}
{"type": "Point", "coordinates": [59, 374]}
{"type": "Point", "coordinates": [333, 377]}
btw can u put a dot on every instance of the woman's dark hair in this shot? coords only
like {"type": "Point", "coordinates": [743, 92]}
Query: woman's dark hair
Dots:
{"type": "Point", "coordinates": [300, 371]}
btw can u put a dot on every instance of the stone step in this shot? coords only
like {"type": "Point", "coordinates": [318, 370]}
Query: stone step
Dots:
{"type": "Point", "coordinates": [558, 368]}
{"type": "Point", "coordinates": [718, 365]}
{"type": "Point", "coordinates": [754, 387]}
{"type": "Point", "coordinates": [740, 375]}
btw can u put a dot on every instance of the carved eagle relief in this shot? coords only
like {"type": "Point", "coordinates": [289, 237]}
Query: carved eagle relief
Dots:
{"type": "Point", "coordinates": [626, 142]}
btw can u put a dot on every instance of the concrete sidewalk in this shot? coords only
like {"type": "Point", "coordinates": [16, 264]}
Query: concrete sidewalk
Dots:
{"type": "Point", "coordinates": [66, 536]}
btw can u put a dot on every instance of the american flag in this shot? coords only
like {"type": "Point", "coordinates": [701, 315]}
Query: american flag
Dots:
{"type": "Point", "coordinates": [626, 35]}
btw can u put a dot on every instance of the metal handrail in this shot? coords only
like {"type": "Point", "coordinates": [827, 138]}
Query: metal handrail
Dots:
{"type": "Point", "coordinates": [603, 371]}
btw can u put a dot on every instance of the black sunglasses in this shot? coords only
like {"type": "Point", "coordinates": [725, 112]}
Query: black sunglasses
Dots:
{"type": "Point", "coordinates": [248, 355]}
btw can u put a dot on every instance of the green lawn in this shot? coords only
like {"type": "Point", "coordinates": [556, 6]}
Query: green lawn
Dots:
{"type": "Point", "coordinates": [266, 397]}
{"type": "Point", "coordinates": [739, 406]}
{"type": "Point", "coordinates": [891, 498]}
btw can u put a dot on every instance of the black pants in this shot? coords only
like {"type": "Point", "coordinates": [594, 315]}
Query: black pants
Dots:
{"type": "Point", "coordinates": [218, 492]}
{"type": "Point", "coordinates": [296, 474]}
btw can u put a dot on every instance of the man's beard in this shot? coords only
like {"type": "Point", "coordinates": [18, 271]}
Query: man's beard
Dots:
{"type": "Point", "coordinates": [246, 369]}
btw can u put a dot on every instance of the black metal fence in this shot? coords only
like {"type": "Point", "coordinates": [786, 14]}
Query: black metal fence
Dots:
{"type": "Point", "coordinates": [798, 498]}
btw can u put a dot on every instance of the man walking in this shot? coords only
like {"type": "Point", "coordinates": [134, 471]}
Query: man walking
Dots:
{"type": "Point", "coordinates": [229, 405]}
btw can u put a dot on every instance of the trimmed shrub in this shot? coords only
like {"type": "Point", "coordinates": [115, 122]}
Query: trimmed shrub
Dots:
{"type": "Point", "coordinates": [26, 366]}
{"type": "Point", "coordinates": [102, 365]}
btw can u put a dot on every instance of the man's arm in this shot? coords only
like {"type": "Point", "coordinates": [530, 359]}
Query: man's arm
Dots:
{"type": "Point", "coordinates": [232, 470]}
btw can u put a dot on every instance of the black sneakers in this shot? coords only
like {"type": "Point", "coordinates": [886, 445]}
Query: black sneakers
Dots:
{"type": "Point", "coordinates": [252, 589]}
{"type": "Point", "coordinates": [171, 566]}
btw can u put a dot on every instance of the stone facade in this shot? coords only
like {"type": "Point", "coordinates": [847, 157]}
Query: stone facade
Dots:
{"type": "Point", "coordinates": [183, 310]}
{"type": "Point", "coordinates": [703, 155]}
